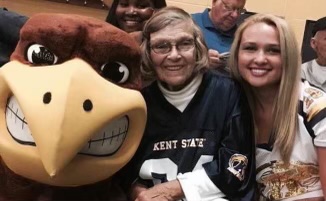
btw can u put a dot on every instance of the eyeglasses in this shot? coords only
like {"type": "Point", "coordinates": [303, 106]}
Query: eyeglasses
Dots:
{"type": "Point", "coordinates": [166, 47]}
{"type": "Point", "coordinates": [231, 9]}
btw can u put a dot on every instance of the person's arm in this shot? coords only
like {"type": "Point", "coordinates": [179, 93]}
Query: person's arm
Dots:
{"type": "Point", "coordinates": [168, 191]}
{"type": "Point", "coordinates": [235, 176]}
{"type": "Point", "coordinates": [230, 174]}
{"type": "Point", "coordinates": [136, 189]}
{"type": "Point", "coordinates": [197, 185]}
{"type": "Point", "coordinates": [232, 171]}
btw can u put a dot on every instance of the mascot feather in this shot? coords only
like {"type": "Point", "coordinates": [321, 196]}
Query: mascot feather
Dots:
{"type": "Point", "coordinates": [70, 112]}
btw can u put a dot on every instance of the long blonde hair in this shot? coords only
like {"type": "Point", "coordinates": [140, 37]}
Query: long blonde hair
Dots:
{"type": "Point", "coordinates": [285, 110]}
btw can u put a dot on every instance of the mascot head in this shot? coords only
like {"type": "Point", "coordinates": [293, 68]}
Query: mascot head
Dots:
{"type": "Point", "coordinates": [70, 112]}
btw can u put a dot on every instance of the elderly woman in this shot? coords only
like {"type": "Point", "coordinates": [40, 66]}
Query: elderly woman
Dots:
{"type": "Point", "coordinates": [198, 143]}
{"type": "Point", "coordinates": [289, 114]}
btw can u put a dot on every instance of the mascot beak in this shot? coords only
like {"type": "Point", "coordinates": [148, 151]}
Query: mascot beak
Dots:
{"type": "Point", "coordinates": [64, 105]}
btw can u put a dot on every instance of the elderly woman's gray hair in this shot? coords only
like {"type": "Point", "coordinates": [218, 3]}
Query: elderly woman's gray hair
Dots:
{"type": "Point", "coordinates": [163, 18]}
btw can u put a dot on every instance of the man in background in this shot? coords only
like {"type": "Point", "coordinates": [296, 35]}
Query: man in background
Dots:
{"type": "Point", "coordinates": [315, 70]}
{"type": "Point", "coordinates": [218, 25]}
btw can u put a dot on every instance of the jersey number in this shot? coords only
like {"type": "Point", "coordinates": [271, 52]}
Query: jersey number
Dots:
{"type": "Point", "coordinates": [164, 169]}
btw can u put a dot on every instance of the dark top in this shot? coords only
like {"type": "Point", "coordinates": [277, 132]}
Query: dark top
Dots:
{"type": "Point", "coordinates": [217, 123]}
{"type": "Point", "coordinates": [10, 24]}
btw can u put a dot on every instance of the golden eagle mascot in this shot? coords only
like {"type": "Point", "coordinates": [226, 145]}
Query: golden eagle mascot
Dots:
{"type": "Point", "coordinates": [71, 115]}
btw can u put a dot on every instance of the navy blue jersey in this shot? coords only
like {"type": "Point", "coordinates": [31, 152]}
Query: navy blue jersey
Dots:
{"type": "Point", "coordinates": [214, 132]}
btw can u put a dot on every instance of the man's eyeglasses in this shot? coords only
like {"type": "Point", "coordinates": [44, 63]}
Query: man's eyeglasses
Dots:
{"type": "Point", "coordinates": [231, 9]}
{"type": "Point", "coordinates": [166, 47]}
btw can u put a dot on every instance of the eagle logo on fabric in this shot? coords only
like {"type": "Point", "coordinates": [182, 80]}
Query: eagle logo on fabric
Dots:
{"type": "Point", "coordinates": [237, 165]}
{"type": "Point", "coordinates": [314, 93]}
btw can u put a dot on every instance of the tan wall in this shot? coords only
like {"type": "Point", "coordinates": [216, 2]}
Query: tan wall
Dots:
{"type": "Point", "coordinates": [191, 6]}
{"type": "Point", "coordinates": [294, 11]}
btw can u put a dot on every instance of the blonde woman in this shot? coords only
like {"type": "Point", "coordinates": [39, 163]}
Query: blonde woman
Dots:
{"type": "Point", "coordinates": [289, 114]}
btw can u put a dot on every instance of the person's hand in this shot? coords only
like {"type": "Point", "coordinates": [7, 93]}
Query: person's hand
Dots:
{"type": "Point", "coordinates": [136, 189]}
{"type": "Point", "coordinates": [214, 59]}
{"type": "Point", "coordinates": [169, 191]}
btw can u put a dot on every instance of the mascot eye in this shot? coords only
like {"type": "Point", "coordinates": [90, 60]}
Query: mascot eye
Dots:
{"type": "Point", "coordinates": [38, 54]}
{"type": "Point", "coordinates": [115, 71]}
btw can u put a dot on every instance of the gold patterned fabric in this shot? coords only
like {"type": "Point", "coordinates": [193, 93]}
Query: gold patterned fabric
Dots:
{"type": "Point", "coordinates": [281, 181]}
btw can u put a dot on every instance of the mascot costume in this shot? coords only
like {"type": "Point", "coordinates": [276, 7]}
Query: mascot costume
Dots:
{"type": "Point", "coordinates": [70, 112]}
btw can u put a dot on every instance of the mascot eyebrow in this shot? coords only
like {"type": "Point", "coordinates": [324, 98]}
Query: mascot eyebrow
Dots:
{"type": "Point", "coordinates": [70, 112]}
{"type": "Point", "coordinates": [48, 40]}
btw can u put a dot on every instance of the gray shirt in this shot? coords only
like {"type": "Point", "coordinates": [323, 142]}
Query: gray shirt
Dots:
{"type": "Point", "coordinates": [314, 73]}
